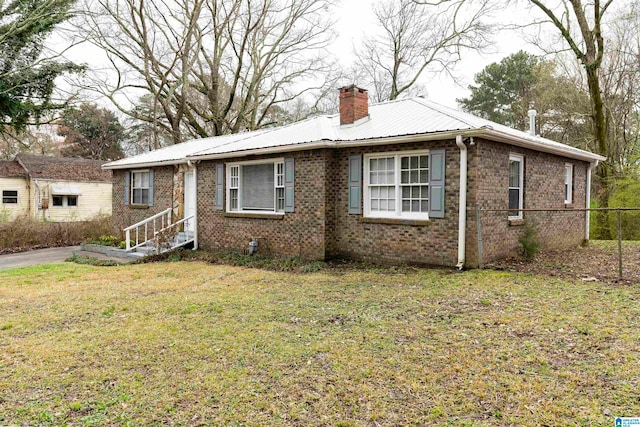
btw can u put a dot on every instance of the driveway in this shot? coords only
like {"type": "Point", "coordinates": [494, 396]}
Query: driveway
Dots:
{"type": "Point", "coordinates": [38, 256]}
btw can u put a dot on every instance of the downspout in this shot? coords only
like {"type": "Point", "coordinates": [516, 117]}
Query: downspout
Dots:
{"type": "Point", "coordinates": [587, 202]}
{"type": "Point", "coordinates": [462, 204]}
{"type": "Point", "coordinates": [195, 206]}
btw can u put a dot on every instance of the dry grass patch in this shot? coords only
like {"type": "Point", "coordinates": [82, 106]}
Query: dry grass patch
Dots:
{"type": "Point", "coordinates": [195, 344]}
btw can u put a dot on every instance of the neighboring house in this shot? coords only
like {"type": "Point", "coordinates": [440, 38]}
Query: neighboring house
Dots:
{"type": "Point", "coordinates": [374, 183]}
{"type": "Point", "coordinates": [54, 188]}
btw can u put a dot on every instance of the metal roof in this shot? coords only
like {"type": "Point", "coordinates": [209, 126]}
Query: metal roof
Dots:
{"type": "Point", "coordinates": [389, 122]}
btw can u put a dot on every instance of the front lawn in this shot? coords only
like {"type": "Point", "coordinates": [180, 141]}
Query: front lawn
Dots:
{"type": "Point", "coordinates": [195, 344]}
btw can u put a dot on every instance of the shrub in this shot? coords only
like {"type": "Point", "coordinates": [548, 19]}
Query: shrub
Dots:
{"type": "Point", "coordinates": [529, 242]}
{"type": "Point", "coordinates": [26, 233]}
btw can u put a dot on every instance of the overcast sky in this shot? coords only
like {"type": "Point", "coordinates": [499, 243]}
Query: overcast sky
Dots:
{"type": "Point", "coordinates": [355, 18]}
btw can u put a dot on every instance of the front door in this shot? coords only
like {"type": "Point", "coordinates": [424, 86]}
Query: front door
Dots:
{"type": "Point", "coordinates": [189, 197]}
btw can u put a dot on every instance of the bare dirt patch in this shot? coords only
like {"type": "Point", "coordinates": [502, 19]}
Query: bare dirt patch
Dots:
{"type": "Point", "coordinates": [597, 261]}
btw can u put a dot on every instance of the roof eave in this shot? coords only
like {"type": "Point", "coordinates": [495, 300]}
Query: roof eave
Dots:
{"type": "Point", "coordinates": [573, 153]}
{"type": "Point", "coordinates": [107, 166]}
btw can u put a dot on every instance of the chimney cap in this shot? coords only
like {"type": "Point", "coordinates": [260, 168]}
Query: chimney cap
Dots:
{"type": "Point", "coordinates": [352, 88]}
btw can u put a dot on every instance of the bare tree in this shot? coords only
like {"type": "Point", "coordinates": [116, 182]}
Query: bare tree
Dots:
{"type": "Point", "coordinates": [416, 37]}
{"type": "Point", "coordinates": [580, 26]}
{"type": "Point", "coordinates": [211, 67]}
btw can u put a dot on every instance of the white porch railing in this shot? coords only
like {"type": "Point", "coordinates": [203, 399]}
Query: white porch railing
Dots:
{"type": "Point", "coordinates": [159, 230]}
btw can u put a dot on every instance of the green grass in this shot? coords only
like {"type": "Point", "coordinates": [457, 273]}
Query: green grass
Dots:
{"type": "Point", "coordinates": [196, 344]}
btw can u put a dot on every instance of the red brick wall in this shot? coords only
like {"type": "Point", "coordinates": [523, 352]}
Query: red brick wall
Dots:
{"type": "Point", "coordinates": [434, 243]}
{"type": "Point", "coordinates": [544, 176]}
{"type": "Point", "coordinates": [124, 216]}
{"type": "Point", "coordinates": [321, 227]}
{"type": "Point", "coordinates": [299, 233]}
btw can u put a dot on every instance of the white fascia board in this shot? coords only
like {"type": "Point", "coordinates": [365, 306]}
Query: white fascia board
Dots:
{"type": "Point", "coordinates": [572, 153]}
{"type": "Point", "coordinates": [145, 164]}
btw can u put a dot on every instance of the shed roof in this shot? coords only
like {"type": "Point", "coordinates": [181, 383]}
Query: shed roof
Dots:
{"type": "Point", "coordinates": [388, 122]}
{"type": "Point", "coordinates": [64, 168]}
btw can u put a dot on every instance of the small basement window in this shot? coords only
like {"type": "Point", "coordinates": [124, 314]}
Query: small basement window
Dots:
{"type": "Point", "coordinates": [9, 196]}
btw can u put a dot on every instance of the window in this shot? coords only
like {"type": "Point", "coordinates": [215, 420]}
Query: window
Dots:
{"type": "Point", "coordinates": [9, 196]}
{"type": "Point", "coordinates": [516, 181]}
{"type": "Point", "coordinates": [397, 185]}
{"type": "Point", "coordinates": [568, 183]}
{"type": "Point", "coordinates": [140, 187]}
{"type": "Point", "coordinates": [64, 201]}
{"type": "Point", "coordinates": [256, 187]}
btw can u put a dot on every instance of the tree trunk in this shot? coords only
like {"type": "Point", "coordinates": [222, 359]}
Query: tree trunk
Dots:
{"type": "Point", "coordinates": [602, 180]}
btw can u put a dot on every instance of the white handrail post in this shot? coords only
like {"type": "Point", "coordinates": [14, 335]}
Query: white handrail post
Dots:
{"type": "Point", "coordinates": [127, 235]}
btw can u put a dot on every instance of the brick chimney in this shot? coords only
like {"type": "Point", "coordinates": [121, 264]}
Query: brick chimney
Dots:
{"type": "Point", "coordinates": [354, 104]}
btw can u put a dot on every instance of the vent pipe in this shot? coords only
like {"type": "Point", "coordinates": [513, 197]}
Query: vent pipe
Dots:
{"type": "Point", "coordinates": [532, 122]}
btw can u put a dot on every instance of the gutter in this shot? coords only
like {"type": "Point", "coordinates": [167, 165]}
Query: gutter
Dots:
{"type": "Point", "coordinates": [587, 213]}
{"type": "Point", "coordinates": [462, 204]}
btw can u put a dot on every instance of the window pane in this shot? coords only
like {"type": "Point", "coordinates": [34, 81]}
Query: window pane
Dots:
{"type": "Point", "coordinates": [415, 206]}
{"type": "Point", "coordinates": [414, 177]}
{"type": "Point", "coordinates": [374, 205]}
{"type": "Point", "coordinates": [424, 162]}
{"type": "Point", "coordinates": [514, 173]}
{"type": "Point", "coordinates": [258, 187]}
{"type": "Point", "coordinates": [404, 177]}
{"type": "Point", "coordinates": [414, 162]}
{"type": "Point", "coordinates": [234, 199]}
{"type": "Point", "coordinates": [373, 164]}
{"type": "Point", "coordinates": [424, 205]}
{"type": "Point", "coordinates": [424, 176]}
{"type": "Point", "coordinates": [57, 200]}
{"type": "Point", "coordinates": [514, 199]}
{"type": "Point", "coordinates": [406, 205]}
{"type": "Point", "coordinates": [390, 163]}
{"type": "Point", "coordinates": [404, 163]}
{"type": "Point", "coordinates": [406, 192]}
{"type": "Point", "coordinates": [373, 178]}
{"type": "Point", "coordinates": [144, 197]}
{"type": "Point", "coordinates": [72, 200]}
{"type": "Point", "coordinates": [390, 178]}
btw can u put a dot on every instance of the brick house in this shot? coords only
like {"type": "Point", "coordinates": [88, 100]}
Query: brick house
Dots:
{"type": "Point", "coordinates": [380, 182]}
{"type": "Point", "coordinates": [58, 189]}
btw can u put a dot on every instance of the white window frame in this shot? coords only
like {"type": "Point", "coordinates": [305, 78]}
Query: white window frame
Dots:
{"type": "Point", "coordinates": [519, 158]}
{"type": "Point", "coordinates": [231, 185]}
{"type": "Point", "coordinates": [148, 187]}
{"type": "Point", "coordinates": [10, 197]}
{"type": "Point", "coordinates": [568, 183]}
{"type": "Point", "coordinates": [397, 213]}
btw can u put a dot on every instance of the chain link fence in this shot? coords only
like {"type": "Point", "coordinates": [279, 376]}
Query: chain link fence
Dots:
{"type": "Point", "coordinates": [553, 241]}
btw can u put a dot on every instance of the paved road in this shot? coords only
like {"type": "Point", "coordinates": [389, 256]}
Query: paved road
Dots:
{"type": "Point", "coordinates": [38, 256]}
